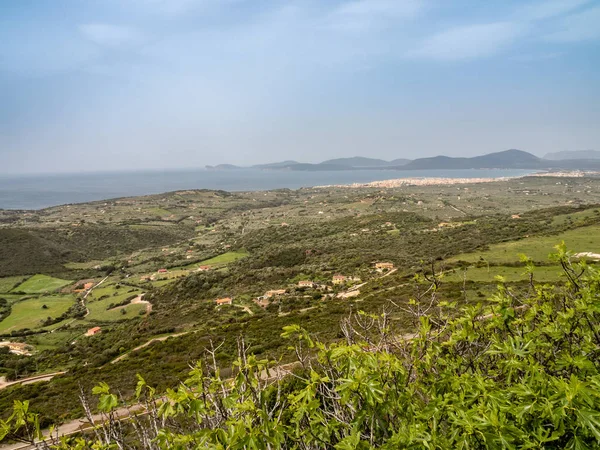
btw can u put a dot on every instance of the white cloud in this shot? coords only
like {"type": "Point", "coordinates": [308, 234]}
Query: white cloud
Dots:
{"type": "Point", "coordinates": [111, 35]}
{"type": "Point", "coordinates": [583, 26]}
{"type": "Point", "coordinates": [549, 8]}
{"type": "Point", "coordinates": [468, 42]}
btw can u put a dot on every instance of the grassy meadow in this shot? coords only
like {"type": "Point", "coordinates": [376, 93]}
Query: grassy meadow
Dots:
{"type": "Point", "coordinates": [8, 283]}
{"type": "Point", "coordinates": [39, 284]}
{"type": "Point", "coordinates": [220, 260]}
{"type": "Point", "coordinates": [584, 239]}
{"type": "Point", "coordinates": [31, 312]}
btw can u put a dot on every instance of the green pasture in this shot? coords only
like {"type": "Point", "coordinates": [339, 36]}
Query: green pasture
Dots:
{"type": "Point", "coordinates": [220, 260]}
{"type": "Point", "coordinates": [510, 274]}
{"type": "Point", "coordinates": [172, 274]}
{"type": "Point", "coordinates": [105, 289]}
{"type": "Point", "coordinates": [29, 313]}
{"type": "Point", "coordinates": [7, 283]}
{"type": "Point", "coordinates": [584, 239]}
{"type": "Point", "coordinates": [158, 212]}
{"type": "Point", "coordinates": [50, 341]}
{"type": "Point", "coordinates": [577, 217]}
{"type": "Point", "coordinates": [159, 283]}
{"type": "Point", "coordinates": [114, 294]}
{"type": "Point", "coordinates": [99, 312]}
{"type": "Point", "coordinates": [85, 265]}
{"type": "Point", "coordinates": [39, 284]}
{"type": "Point", "coordinates": [13, 297]}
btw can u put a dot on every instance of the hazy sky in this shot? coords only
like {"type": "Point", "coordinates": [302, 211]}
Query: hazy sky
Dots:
{"type": "Point", "coordinates": [123, 84]}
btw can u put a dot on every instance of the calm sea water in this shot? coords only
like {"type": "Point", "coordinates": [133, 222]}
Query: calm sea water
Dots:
{"type": "Point", "coordinates": [42, 191]}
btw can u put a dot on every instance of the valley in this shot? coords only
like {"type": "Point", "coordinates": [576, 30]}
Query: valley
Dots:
{"type": "Point", "coordinates": [102, 291]}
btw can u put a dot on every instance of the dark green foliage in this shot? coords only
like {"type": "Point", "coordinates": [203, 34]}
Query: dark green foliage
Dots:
{"type": "Point", "coordinates": [31, 250]}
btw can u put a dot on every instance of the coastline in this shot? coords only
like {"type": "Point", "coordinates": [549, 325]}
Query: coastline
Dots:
{"type": "Point", "coordinates": [36, 193]}
{"type": "Point", "coordinates": [438, 181]}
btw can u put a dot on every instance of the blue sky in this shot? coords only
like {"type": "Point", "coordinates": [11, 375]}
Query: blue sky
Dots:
{"type": "Point", "coordinates": [89, 85]}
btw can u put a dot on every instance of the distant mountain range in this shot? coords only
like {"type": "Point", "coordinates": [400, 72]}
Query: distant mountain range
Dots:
{"type": "Point", "coordinates": [354, 163]}
{"type": "Point", "coordinates": [576, 154]}
{"type": "Point", "coordinates": [508, 159]}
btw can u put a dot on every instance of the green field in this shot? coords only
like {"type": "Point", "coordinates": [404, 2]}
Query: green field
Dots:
{"type": "Point", "coordinates": [86, 265]}
{"type": "Point", "coordinates": [577, 217]}
{"type": "Point", "coordinates": [48, 341]}
{"type": "Point", "coordinates": [39, 284]}
{"type": "Point", "coordinates": [7, 283]}
{"type": "Point", "coordinates": [159, 212]}
{"type": "Point", "coordinates": [99, 312]}
{"type": "Point", "coordinates": [220, 260]}
{"type": "Point", "coordinates": [105, 289]}
{"type": "Point", "coordinates": [14, 297]}
{"type": "Point", "coordinates": [29, 313]}
{"type": "Point", "coordinates": [159, 283]}
{"type": "Point", "coordinates": [584, 239]}
{"type": "Point", "coordinates": [510, 274]}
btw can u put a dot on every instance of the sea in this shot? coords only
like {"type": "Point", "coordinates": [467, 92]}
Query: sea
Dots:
{"type": "Point", "coordinates": [34, 192]}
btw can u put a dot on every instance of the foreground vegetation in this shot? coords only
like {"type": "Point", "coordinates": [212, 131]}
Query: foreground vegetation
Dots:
{"type": "Point", "coordinates": [146, 273]}
{"type": "Point", "coordinates": [521, 371]}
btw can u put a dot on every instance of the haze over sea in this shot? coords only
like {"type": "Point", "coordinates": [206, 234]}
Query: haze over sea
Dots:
{"type": "Point", "coordinates": [42, 191]}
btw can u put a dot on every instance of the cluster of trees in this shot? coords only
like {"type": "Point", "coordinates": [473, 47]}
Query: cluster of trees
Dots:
{"type": "Point", "coordinates": [5, 308]}
{"type": "Point", "coordinates": [35, 250]}
{"type": "Point", "coordinates": [521, 371]}
{"type": "Point", "coordinates": [14, 366]}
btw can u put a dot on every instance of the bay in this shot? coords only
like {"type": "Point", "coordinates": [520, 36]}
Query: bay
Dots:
{"type": "Point", "coordinates": [42, 191]}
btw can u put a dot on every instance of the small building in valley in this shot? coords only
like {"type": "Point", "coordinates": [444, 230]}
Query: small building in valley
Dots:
{"type": "Point", "coordinates": [224, 301]}
{"type": "Point", "coordinates": [384, 266]}
{"type": "Point", "coordinates": [93, 331]}
{"type": "Point", "coordinates": [262, 302]}
{"type": "Point", "coordinates": [274, 293]}
{"type": "Point", "coordinates": [305, 283]}
{"type": "Point", "coordinates": [203, 268]}
{"type": "Point", "coordinates": [17, 348]}
{"type": "Point", "coordinates": [162, 270]}
{"type": "Point", "coordinates": [339, 279]}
